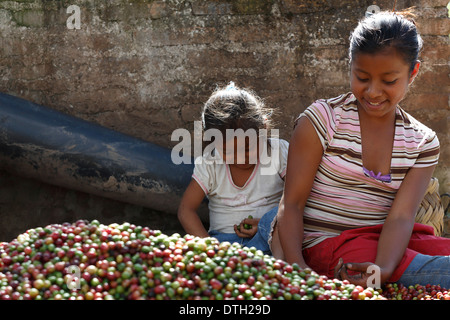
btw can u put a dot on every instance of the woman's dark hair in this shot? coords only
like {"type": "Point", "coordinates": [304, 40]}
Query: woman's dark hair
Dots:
{"type": "Point", "coordinates": [387, 29]}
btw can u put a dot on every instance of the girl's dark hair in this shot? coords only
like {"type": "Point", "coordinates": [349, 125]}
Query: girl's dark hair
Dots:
{"type": "Point", "coordinates": [234, 108]}
{"type": "Point", "coordinates": [387, 29]}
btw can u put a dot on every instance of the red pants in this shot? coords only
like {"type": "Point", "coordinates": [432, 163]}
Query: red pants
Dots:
{"type": "Point", "coordinates": [360, 245]}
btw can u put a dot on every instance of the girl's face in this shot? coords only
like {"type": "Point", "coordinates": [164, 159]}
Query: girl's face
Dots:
{"type": "Point", "coordinates": [242, 153]}
{"type": "Point", "coordinates": [380, 81]}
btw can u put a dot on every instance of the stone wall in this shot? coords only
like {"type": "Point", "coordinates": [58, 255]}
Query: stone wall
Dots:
{"type": "Point", "coordinates": [145, 67]}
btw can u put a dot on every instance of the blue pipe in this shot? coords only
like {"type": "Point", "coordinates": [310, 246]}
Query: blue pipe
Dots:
{"type": "Point", "coordinates": [56, 148]}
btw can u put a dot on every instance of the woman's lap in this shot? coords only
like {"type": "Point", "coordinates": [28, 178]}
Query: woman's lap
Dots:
{"type": "Point", "coordinates": [360, 245]}
{"type": "Point", "coordinates": [426, 260]}
{"type": "Point", "coordinates": [427, 269]}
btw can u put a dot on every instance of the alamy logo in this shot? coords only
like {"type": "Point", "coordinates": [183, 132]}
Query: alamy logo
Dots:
{"type": "Point", "coordinates": [73, 277]}
{"type": "Point", "coordinates": [74, 21]}
{"type": "Point", "coordinates": [236, 147]}
{"type": "Point", "coordinates": [374, 280]}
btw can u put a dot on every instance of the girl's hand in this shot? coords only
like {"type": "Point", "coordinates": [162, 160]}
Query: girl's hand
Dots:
{"type": "Point", "coordinates": [247, 228]}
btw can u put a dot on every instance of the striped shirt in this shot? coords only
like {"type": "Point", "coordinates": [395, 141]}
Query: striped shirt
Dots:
{"type": "Point", "coordinates": [343, 196]}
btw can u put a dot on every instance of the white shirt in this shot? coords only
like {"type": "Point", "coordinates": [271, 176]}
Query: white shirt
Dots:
{"type": "Point", "coordinates": [230, 204]}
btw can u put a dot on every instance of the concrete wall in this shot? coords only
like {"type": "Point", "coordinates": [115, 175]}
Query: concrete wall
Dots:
{"type": "Point", "coordinates": [145, 67]}
{"type": "Point", "coordinates": [27, 203]}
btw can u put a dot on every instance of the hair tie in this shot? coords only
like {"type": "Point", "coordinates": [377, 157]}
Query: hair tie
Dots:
{"type": "Point", "coordinates": [231, 86]}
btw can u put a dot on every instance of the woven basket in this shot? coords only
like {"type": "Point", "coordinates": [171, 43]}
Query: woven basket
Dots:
{"type": "Point", "coordinates": [431, 211]}
{"type": "Point", "coordinates": [445, 199]}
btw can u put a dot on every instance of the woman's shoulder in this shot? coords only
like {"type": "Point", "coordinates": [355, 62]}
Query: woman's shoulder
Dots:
{"type": "Point", "coordinates": [334, 107]}
{"type": "Point", "coordinates": [416, 139]}
{"type": "Point", "coordinates": [415, 128]}
{"type": "Point", "coordinates": [345, 100]}
{"type": "Point", "coordinates": [328, 112]}
{"type": "Point", "coordinates": [339, 101]}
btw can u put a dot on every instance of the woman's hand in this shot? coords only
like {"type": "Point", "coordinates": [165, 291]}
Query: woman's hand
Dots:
{"type": "Point", "coordinates": [247, 228]}
{"type": "Point", "coordinates": [365, 274]}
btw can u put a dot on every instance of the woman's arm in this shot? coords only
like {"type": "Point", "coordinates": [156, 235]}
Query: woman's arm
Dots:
{"type": "Point", "coordinates": [187, 211]}
{"type": "Point", "coordinates": [397, 229]}
{"type": "Point", "coordinates": [304, 156]}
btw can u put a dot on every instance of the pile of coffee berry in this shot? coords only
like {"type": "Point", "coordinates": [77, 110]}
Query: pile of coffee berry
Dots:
{"type": "Point", "coordinates": [91, 261]}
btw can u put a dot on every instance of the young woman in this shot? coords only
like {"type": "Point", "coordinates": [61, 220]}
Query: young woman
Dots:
{"type": "Point", "coordinates": [358, 167]}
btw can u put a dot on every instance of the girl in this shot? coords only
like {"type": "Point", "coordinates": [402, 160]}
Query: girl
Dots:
{"type": "Point", "coordinates": [358, 168]}
{"type": "Point", "coordinates": [232, 176]}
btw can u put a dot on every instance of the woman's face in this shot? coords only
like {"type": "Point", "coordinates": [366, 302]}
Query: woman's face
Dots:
{"type": "Point", "coordinates": [380, 81]}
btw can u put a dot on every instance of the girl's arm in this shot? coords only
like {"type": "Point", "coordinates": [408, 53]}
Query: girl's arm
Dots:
{"type": "Point", "coordinates": [304, 156]}
{"type": "Point", "coordinates": [187, 211]}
